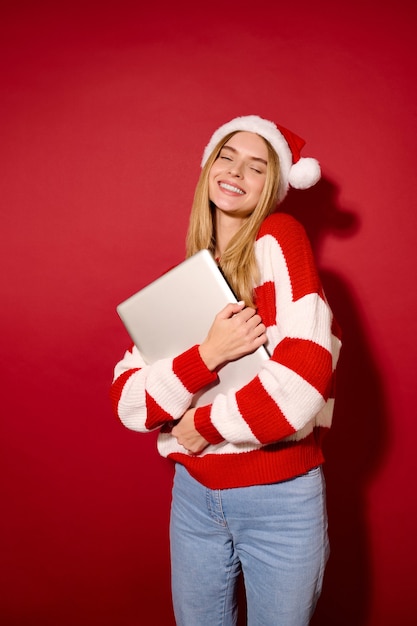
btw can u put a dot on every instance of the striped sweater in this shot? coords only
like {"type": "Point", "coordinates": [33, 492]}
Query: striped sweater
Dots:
{"type": "Point", "coordinates": [270, 429]}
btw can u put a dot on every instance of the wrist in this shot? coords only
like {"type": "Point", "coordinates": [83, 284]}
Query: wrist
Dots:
{"type": "Point", "coordinates": [205, 427]}
{"type": "Point", "coordinates": [190, 368]}
{"type": "Point", "coordinates": [209, 358]}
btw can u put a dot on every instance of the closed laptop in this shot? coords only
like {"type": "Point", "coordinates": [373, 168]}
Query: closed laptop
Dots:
{"type": "Point", "coordinates": [176, 311]}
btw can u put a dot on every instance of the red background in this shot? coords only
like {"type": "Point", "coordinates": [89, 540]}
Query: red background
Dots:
{"type": "Point", "coordinates": [104, 110]}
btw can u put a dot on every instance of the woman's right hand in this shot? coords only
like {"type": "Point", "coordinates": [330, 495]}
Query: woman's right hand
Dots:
{"type": "Point", "coordinates": [237, 330]}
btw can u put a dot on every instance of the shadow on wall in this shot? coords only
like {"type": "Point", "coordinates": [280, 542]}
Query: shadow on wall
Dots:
{"type": "Point", "coordinates": [357, 443]}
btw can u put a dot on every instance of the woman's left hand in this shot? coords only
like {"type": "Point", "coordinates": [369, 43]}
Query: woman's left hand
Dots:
{"type": "Point", "coordinates": [186, 434]}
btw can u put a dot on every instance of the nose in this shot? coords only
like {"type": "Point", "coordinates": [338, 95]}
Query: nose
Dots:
{"type": "Point", "coordinates": [235, 169]}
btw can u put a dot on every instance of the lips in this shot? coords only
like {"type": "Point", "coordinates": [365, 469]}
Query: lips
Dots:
{"type": "Point", "coordinates": [232, 188]}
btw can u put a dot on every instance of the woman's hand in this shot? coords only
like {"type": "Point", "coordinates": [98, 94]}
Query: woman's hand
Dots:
{"type": "Point", "coordinates": [187, 435]}
{"type": "Point", "coordinates": [237, 330]}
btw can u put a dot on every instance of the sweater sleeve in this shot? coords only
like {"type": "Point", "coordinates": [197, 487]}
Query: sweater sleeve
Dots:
{"type": "Point", "coordinates": [144, 397]}
{"type": "Point", "coordinates": [295, 384]}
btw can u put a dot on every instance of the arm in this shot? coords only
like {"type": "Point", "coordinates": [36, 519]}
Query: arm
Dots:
{"type": "Point", "coordinates": [144, 397]}
{"type": "Point", "coordinates": [147, 396]}
{"type": "Point", "coordinates": [294, 385]}
{"type": "Point", "coordinates": [234, 333]}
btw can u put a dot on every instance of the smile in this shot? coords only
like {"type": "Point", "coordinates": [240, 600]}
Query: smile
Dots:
{"type": "Point", "coordinates": [231, 188]}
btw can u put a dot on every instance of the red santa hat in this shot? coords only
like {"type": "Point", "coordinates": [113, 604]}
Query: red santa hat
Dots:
{"type": "Point", "coordinates": [296, 171]}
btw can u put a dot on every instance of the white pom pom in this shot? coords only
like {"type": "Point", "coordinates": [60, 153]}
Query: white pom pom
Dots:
{"type": "Point", "coordinates": [305, 173]}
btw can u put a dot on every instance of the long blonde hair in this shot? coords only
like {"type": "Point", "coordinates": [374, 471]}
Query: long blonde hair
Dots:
{"type": "Point", "coordinates": [238, 262]}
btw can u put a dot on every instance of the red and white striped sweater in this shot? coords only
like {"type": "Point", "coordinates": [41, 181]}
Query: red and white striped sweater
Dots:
{"type": "Point", "coordinates": [271, 429]}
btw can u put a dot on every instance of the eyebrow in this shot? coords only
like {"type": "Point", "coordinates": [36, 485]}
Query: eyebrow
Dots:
{"type": "Point", "coordinates": [253, 158]}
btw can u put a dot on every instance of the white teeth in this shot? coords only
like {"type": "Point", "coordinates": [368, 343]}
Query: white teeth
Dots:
{"type": "Point", "coordinates": [231, 188]}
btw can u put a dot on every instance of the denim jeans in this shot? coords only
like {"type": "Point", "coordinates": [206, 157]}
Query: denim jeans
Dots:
{"type": "Point", "coordinates": [275, 534]}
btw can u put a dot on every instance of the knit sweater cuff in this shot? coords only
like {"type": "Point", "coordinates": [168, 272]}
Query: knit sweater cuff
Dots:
{"type": "Point", "coordinates": [192, 371]}
{"type": "Point", "coordinates": [204, 425]}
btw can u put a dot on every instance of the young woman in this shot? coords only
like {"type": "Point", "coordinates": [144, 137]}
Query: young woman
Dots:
{"type": "Point", "coordinates": [249, 492]}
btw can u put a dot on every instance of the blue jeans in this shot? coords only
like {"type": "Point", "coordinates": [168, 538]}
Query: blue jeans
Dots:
{"type": "Point", "coordinates": [275, 534]}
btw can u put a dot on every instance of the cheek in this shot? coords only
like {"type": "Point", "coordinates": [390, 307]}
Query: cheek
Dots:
{"type": "Point", "coordinates": [213, 173]}
{"type": "Point", "coordinates": [215, 169]}
{"type": "Point", "coordinates": [211, 185]}
{"type": "Point", "coordinates": [258, 188]}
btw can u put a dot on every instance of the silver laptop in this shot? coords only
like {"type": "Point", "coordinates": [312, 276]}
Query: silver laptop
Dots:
{"type": "Point", "coordinates": [176, 311]}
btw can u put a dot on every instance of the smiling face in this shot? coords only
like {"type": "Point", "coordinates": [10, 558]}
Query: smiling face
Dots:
{"type": "Point", "coordinates": [238, 175]}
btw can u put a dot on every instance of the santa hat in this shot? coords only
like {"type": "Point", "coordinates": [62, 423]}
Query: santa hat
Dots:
{"type": "Point", "coordinates": [296, 171]}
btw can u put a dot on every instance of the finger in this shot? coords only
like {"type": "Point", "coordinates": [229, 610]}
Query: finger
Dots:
{"type": "Point", "coordinates": [259, 341]}
{"type": "Point", "coordinates": [254, 322]}
{"type": "Point", "coordinates": [258, 329]}
{"type": "Point", "coordinates": [246, 314]}
{"type": "Point", "coordinates": [231, 309]}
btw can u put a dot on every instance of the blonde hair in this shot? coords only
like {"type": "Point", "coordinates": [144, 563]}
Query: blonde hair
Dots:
{"type": "Point", "coordinates": [238, 262]}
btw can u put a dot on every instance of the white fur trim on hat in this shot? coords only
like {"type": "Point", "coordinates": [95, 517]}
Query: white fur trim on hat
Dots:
{"type": "Point", "coordinates": [299, 172]}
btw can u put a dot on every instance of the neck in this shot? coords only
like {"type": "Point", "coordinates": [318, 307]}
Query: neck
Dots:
{"type": "Point", "coordinates": [226, 228]}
